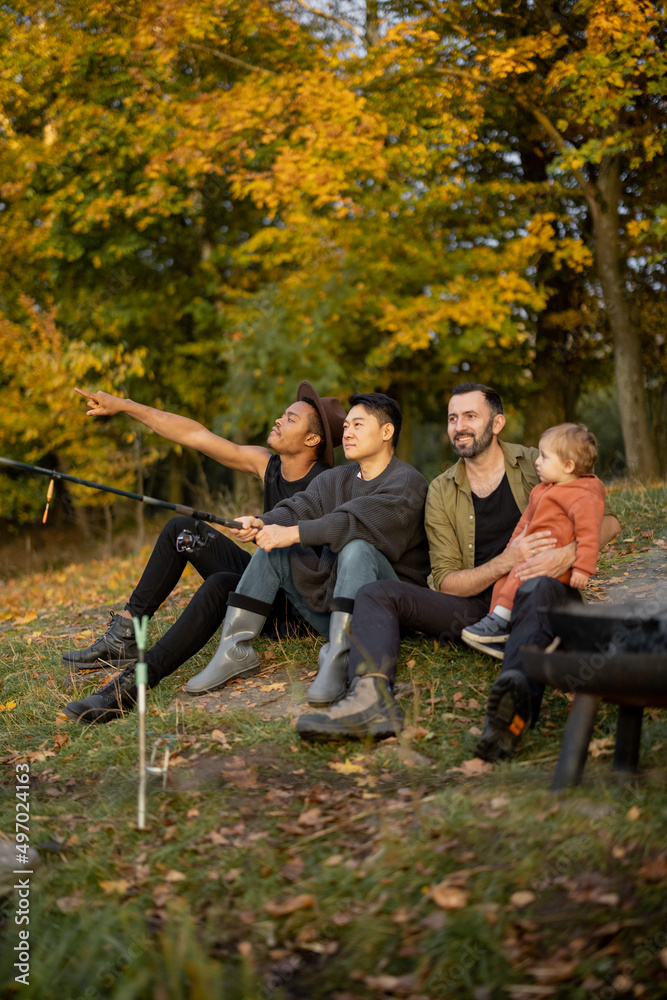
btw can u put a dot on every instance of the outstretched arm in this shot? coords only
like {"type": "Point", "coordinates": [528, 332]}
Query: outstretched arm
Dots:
{"type": "Point", "coordinates": [182, 430]}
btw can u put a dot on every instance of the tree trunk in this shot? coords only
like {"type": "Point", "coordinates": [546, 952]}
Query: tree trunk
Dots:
{"type": "Point", "coordinates": [372, 33]}
{"type": "Point", "coordinates": [639, 449]}
{"type": "Point", "coordinates": [401, 394]}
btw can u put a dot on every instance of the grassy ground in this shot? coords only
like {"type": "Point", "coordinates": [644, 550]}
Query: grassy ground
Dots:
{"type": "Point", "coordinates": [275, 869]}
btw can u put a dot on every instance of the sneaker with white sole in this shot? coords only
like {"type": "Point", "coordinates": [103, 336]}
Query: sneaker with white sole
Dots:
{"type": "Point", "coordinates": [491, 629]}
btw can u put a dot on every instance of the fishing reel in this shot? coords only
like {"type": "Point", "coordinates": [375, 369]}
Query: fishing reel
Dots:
{"type": "Point", "coordinates": [191, 541]}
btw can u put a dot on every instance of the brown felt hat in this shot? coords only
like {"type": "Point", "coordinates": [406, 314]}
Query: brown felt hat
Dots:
{"type": "Point", "coordinates": [332, 416]}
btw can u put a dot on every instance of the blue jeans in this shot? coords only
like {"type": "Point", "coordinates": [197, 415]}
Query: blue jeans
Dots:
{"type": "Point", "coordinates": [358, 563]}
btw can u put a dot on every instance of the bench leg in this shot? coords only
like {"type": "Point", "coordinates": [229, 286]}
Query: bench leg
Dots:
{"type": "Point", "coordinates": [576, 738]}
{"type": "Point", "coordinates": [628, 738]}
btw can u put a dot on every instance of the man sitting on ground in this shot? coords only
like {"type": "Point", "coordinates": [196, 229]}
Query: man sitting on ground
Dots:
{"type": "Point", "coordinates": [354, 524]}
{"type": "Point", "coordinates": [471, 512]}
{"type": "Point", "coordinates": [300, 447]}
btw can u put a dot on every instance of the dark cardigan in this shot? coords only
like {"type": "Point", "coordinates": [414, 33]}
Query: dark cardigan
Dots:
{"type": "Point", "coordinates": [338, 507]}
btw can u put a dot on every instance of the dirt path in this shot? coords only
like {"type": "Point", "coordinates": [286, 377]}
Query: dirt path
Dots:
{"type": "Point", "coordinates": [646, 576]}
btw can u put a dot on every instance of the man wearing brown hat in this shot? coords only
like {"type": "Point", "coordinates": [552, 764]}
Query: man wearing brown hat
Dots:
{"type": "Point", "coordinates": [302, 441]}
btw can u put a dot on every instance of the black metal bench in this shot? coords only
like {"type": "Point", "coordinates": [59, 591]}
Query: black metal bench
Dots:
{"type": "Point", "coordinates": [619, 656]}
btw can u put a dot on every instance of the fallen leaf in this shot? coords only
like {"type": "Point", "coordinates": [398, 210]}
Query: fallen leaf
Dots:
{"type": "Point", "coordinates": [522, 898]}
{"type": "Point", "coordinates": [293, 870]}
{"type": "Point", "coordinates": [449, 897]}
{"type": "Point", "coordinates": [472, 767]}
{"type": "Point", "coordinates": [398, 985]}
{"type": "Point", "coordinates": [30, 617]}
{"type": "Point", "coordinates": [240, 774]}
{"type": "Point", "coordinates": [604, 746]}
{"type": "Point", "coordinates": [119, 886]}
{"type": "Point", "coordinates": [607, 898]}
{"type": "Point", "coordinates": [219, 737]}
{"type": "Point", "coordinates": [346, 767]}
{"type": "Point", "coordinates": [68, 904]}
{"type": "Point", "coordinates": [311, 817]}
{"type": "Point", "coordinates": [39, 755]}
{"type": "Point", "coordinates": [655, 869]}
{"type": "Point", "coordinates": [8, 706]}
{"type": "Point", "coordinates": [276, 686]}
{"type": "Point", "coordinates": [287, 906]}
{"type": "Point", "coordinates": [553, 971]}
{"type": "Point", "coordinates": [415, 733]}
{"type": "Point", "coordinates": [175, 876]}
{"type": "Point", "coordinates": [633, 813]}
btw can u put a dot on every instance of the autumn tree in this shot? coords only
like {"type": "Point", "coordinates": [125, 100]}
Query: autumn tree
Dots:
{"type": "Point", "coordinates": [590, 78]}
{"type": "Point", "coordinates": [41, 422]}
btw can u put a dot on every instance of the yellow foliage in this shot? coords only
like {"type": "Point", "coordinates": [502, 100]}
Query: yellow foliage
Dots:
{"type": "Point", "coordinates": [39, 368]}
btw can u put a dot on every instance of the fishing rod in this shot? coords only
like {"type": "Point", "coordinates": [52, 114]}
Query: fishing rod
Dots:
{"type": "Point", "coordinates": [187, 541]}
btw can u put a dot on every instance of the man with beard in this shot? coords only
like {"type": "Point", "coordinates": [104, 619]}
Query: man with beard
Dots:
{"type": "Point", "coordinates": [471, 512]}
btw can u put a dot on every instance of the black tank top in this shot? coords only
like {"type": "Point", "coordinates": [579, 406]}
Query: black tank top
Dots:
{"type": "Point", "coordinates": [276, 488]}
{"type": "Point", "coordinates": [496, 517]}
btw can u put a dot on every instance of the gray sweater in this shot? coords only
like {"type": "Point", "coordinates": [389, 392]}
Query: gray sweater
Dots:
{"type": "Point", "coordinates": [338, 507]}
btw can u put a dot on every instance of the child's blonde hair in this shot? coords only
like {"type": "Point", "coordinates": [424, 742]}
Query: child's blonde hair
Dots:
{"type": "Point", "coordinates": [573, 443]}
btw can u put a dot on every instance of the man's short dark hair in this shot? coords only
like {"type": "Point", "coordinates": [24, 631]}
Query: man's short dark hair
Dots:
{"type": "Point", "coordinates": [491, 396]}
{"type": "Point", "coordinates": [384, 409]}
{"type": "Point", "coordinates": [315, 425]}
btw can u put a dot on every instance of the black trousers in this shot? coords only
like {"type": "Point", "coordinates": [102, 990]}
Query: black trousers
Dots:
{"type": "Point", "coordinates": [385, 608]}
{"type": "Point", "coordinates": [221, 564]}
{"type": "Point", "coordinates": [531, 626]}
{"type": "Point", "coordinates": [382, 610]}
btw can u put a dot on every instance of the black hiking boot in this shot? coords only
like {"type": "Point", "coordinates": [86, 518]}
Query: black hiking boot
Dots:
{"type": "Point", "coordinates": [116, 648]}
{"type": "Point", "coordinates": [507, 717]}
{"type": "Point", "coordinates": [111, 702]}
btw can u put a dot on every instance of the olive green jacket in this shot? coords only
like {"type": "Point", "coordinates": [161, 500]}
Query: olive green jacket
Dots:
{"type": "Point", "coordinates": [450, 516]}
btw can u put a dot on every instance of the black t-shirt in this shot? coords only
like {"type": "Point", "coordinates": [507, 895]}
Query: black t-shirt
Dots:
{"type": "Point", "coordinates": [285, 616]}
{"type": "Point", "coordinates": [276, 488]}
{"type": "Point", "coordinates": [496, 517]}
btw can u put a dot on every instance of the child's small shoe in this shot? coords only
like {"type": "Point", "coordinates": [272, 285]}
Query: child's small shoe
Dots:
{"type": "Point", "coordinates": [491, 629]}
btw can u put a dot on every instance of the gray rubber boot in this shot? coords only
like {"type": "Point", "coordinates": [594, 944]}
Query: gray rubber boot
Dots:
{"type": "Point", "coordinates": [331, 681]}
{"type": "Point", "coordinates": [234, 656]}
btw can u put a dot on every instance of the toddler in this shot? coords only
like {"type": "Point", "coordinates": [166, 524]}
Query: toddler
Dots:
{"type": "Point", "coordinates": [569, 501]}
